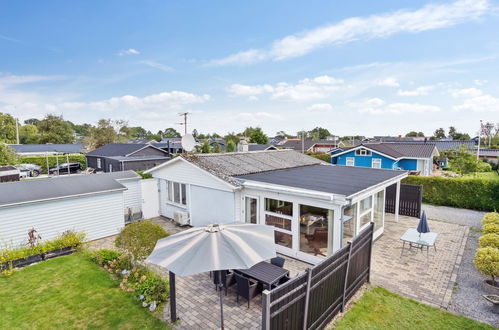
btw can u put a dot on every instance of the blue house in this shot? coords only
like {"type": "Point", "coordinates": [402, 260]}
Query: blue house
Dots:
{"type": "Point", "coordinates": [405, 156]}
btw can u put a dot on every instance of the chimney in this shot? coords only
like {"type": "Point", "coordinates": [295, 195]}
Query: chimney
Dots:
{"type": "Point", "coordinates": [242, 146]}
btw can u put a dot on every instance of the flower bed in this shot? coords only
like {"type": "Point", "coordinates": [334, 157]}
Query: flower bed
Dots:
{"type": "Point", "coordinates": [64, 244]}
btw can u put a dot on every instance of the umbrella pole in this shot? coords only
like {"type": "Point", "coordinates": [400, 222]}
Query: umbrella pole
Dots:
{"type": "Point", "coordinates": [220, 287]}
{"type": "Point", "coordinates": [173, 298]}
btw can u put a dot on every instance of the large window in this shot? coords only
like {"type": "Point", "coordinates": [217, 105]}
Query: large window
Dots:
{"type": "Point", "coordinates": [350, 161]}
{"type": "Point", "coordinates": [363, 152]}
{"type": "Point", "coordinates": [99, 163]}
{"type": "Point", "coordinates": [376, 163]}
{"type": "Point", "coordinates": [365, 209]}
{"type": "Point", "coordinates": [177, 192]}
{"type": "Point", "coordinates": [315, 224]}
{"type": "Point", "coordinates": [279, 207]}
{"type": "Point", "coordinates": [251, 209]}
{"type": "Point", "coordinates": [349, 218]}
{"type": "Point", "coordinates": [378, 209]}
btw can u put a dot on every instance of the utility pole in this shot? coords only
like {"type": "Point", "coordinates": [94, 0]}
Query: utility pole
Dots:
{"type": "Point", "coordinates": [184, 114]}
{"type": "Point", "coordinates": [479, 134]}
{"type": "Point", "coordinates": [17, 130]}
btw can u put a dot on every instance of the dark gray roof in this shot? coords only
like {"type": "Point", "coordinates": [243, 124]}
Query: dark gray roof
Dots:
{"type": "Point", "coordinates": [257, 147]}
{"type": "Point", "coordinates": [489, 152]}
{"type": "Point", "coordinates": [227, 165]}
{"type": "Point", "coordinates": [296, 144]}
{"type": "Point", "coordinates": [341, 180]}
{"type": "Point", "coordinates": [400, 150]}
{"type": "Point", "coordinates": [30, 191]}
{"type": "Point", "coordinates": [122, 175]}
{"type": "Point", "coordinates": [138, 158]}
{"type": "Point", "coordinates": [118, 149]}
{"type": "Point", "coordinates": [75, 148]}
{"type": "Point", "coordinates": [447, 145]}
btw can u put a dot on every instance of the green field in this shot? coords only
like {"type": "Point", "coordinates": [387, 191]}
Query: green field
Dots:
{"type": "Point", "coordinates": [67, 293]}
{"type": "Point", "coordinates": [382, 309]}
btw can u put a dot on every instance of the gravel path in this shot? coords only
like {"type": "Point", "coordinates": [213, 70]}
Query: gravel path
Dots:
{"type": "Point", "coordinates": [464, 217]}
{"type": "Point", "coordinates": [467, 299]}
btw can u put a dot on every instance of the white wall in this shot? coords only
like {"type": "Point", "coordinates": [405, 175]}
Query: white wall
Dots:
{"type": "Point", "coordinates": [208, 206]}
{"type": "Point", "coordinates": [98, 215]}
{"type": "Point", "coordinates": [132, 196]}
{"type": "Point", "coordinates": [150, 198]}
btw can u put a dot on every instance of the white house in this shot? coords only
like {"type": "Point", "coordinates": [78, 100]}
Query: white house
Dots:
{"type": "Point", "coordinates": [315, 207]}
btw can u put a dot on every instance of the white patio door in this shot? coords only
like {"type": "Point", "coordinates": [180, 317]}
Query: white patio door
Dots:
{"type": "Point", "coordinates": [250, 209]}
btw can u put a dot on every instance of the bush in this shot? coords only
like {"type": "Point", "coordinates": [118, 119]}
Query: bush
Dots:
{"type": "Point", "coordinates": [104, 256]}
{"type": "Point", "coordinates": [492, 217]}
{"type": "Point", "coordinates": [470, 193]}
{"type": "Point", "coordinates": [67, 239]}
{"type": "Point", "coordinates": [320, 155]}
{"type": "Point", "coordinates": [490, 228]}
{"type": "Point", "coordinates": [484, 167]}
{"type": "Point", "coordinates": [42, 160]}
{"type": "Point", "coordinates": [489, 240]}
{"type": "Point", "coordinates": [487, 261]}
{"type": "Point", "coordinates": [139, 238]}
{"type": "Point", "coordinates": [144, 175]}
{"type": "Point", "coordinates": [152, 289]}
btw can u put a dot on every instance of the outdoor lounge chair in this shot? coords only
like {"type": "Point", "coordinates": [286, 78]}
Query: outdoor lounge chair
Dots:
{"type": "Point", "coordinates": [228, 279]}
{"type": "Point", "coordinates": [278, 261]}
{"type": "Point", "coordinates": [318, 240]}
{"type": "Point", "coordinates": [246, 288]}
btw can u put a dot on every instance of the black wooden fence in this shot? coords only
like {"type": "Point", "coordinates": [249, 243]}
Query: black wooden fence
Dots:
{"type": "Point", "coordinates": [411, 197]}
{"type": "Point", "coordinates": [312, 299]}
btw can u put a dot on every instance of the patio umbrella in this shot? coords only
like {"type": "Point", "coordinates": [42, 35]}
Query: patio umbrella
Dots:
{"type": "Point", "coordinates": [214, 248]}
{"type": "Point", "coordinates": [423, 225]}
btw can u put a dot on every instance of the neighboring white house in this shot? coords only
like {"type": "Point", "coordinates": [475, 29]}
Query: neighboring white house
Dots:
{"type": "Point", "coordinates": [315, 207]}
{"type": "Point", "coordinates": [95, 204]}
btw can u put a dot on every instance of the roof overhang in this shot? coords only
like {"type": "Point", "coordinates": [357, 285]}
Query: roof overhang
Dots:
{"type": "Point", "coordinates": [146, 146]}
{"type": "Point", "coordinates": [385, 183]}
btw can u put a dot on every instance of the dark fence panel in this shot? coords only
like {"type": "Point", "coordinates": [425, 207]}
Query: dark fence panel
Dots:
{"type": "Point", "coordinates": [411, 197]}
{"type": "Point", "coordinates": [312, 299]}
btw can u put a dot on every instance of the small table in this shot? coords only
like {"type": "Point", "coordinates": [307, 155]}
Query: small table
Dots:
{"type": "Point", "coordinates": [265, 273]}
{"type": "Point", "coordinates": [422, 240]}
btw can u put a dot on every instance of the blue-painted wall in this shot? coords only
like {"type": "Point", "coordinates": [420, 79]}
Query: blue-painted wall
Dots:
{"type": "Point", "coordinates": [363, 161]}
{"type": "Point", "coordinates": [407, 164]}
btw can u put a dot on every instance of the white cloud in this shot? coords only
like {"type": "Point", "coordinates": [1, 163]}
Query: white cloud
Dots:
{"type": "Point", "coordinates": [429, 17]}
{"type": "Point", "coordinates": [480, 82]}
{"type": "Point", "coordinates": [423, 90]}
{"type": "Point", "coordinates": [8, 81]}
{"type": "Point", "coordinates": [157, 65]}
{"type": "Point", "coordinates": [320, 107]}
{"type": "Point", "coordinates": [257, 116]}
{"type": "Point", "coordinates": [129, 51]}
{"type": "Point", "coordinates": [388, 82]}
{"type": "Point", "coordinates": [305, 90]}
{"type": "Point", "coordinates": [475, 100]}
{"type": "Point", "coordinates": [377, 106]}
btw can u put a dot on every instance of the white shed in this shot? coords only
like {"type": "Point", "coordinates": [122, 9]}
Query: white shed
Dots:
{"type": "Point", "coordinates": [90, 203]}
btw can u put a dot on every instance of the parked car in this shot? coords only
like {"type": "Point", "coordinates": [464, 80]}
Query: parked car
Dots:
{"type": "Point", "coordinates": [65, 167]}
{"type": "Point", "coordinates": [29, 170]}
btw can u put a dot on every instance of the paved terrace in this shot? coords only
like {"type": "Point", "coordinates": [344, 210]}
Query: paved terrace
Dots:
{"type": "Point", "coordinates": [412, 275]}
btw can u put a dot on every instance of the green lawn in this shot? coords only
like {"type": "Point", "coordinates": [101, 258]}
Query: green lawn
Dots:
{"type": "Point", "coordinates": [382, 309]}
{"type": "Point", "coordinates": [66, 293]}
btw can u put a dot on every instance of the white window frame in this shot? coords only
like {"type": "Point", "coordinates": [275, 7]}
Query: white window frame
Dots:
{"type": "Point", "coordinates": [363, 152]}
{"type": "Point", "coordinates": [377, 161]}
{"type": "Point", "coordinates": [110, 168]}
{"type": "Point", "coordinates": [99, 163]}
{"type": "Point", "coordinates": [350, 160]}
{"type": "Point", "coordinates": [182, 193]}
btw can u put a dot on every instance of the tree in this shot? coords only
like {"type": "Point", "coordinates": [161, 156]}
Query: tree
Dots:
{"type": "Point", "coordinates": [217, 148]}
{"type": "Point", "coordinates": [487, 262]}
{"type": "Point", "coordinates": [7, 128]}
{"type": "Point", "coordinates": [463, 162]}
{"type": "Point", "coordinates": [32, 121]}
{"type": "Point", "coordinates": [195, 133]}
{"type": "Point", "coordinates": [452, 132]}
{"type": "Point", "coordinates": [230, 147]}
{"type": "Point", "coordinates": [171, 133]}
{"type": "Point", "coordinates": [104, 133]}
{"type": "Point", "coordinates": [439, 133]}
{"type": "Point", "coordinates": [83, 129]}
{"type": "Point", "coordinates": [7, 155]}
{"type": "Point", "coordinates": [54, 129]}
{"type": "Point", "coordinates": [231, 136]}
{"type": "Point", "coordinates": [414, 133]}
{"type": "Point", "coordinates": [257, 136]}
{"type": "Point", "coordinates": [28, 134]}
{"type": "Point", "coordinates": [319, 133]}
{"type": "Point", "coordinates": [205, 147]}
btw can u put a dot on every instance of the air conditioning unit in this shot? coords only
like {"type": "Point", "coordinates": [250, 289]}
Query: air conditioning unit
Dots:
{"type": "Point", "coordinates": [182, 218]}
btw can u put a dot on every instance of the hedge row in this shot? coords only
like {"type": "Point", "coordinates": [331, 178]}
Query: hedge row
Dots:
{"type": "Point", "coordinates": [42, 160]}
{"type": "Point", "coordinates": [468, 193]}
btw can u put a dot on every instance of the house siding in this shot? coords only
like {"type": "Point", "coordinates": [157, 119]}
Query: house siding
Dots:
{"type": "Point", "coordinates": [407, 164]}
{"type": "Point", "coordinates": [203, 199]}
{"type": "Point", "coordinates": [132, 196]}
{"type": "Point", "coordinates": [98, 215]}
{"type": "Point", "coordinates": [141, 165]}
{"type": "Point", "coordinates": [364, 161]}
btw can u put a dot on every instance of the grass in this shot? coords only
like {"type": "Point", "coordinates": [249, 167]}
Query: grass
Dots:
{"type": "Point", "coordinates": [382, 309]}
{"type": "Point", "coordinates": [484, 175]}
{"type": "Point", "coordinates": [66, 293]}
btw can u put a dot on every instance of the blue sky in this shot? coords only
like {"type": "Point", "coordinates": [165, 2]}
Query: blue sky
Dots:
{"type": "Point", "coordinates": [357, 67]}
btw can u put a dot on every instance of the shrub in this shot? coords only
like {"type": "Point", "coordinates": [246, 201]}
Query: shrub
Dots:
{"type": "Point", "coordinates": [470, 193]}
{"type": "Point", "coordinates": [42, 160]}
{"type": "Point", "coordinates": [487, 261]}
{"type": "Point", "coordinates": [152, 289]}
{"type": "Point", "coordinates": [144, 175]}
{"type": "Point", "coordinates": [490, 228]}
{"type": "Point", "coordinates": [320, 155]}
{"type": "Point", "coordinates": [139, 238]}
{"type": "Point", "coordinates": [492, 217]}
{"type": "Point", "coordinates": [491, 240]}
{"type": "Point", "coordinates": [104, 256]}
{"type": "Point", "coordinates": [67, 239]}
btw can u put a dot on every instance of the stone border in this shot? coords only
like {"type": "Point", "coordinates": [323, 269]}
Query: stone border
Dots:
{"type": "Point", "coordinates": [450, 286]}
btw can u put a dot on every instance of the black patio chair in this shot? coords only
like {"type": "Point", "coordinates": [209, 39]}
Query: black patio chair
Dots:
{"type": "Point", "coordinates": [246, 288]}
{"type": "Point", "coordinates": [228, 279]}
{"type": "Point", "coordinates": [278, 261]}
{"type": "Point", "coordinates": [284, 279]}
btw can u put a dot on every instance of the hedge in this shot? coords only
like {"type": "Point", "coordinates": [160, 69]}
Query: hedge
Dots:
{"type": "Point", "coordinates": [468, 193]}
{"type": "Point", "coordinates": [42, 160]}
{"type": "Point", "coordinates": [320, 155]}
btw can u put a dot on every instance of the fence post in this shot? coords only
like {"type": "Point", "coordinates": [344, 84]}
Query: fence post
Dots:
{"type": "Point", "coordinates": [307, 298]}
{"type": "Point", "coordinates": [266, 310]}
{"type": "Point", "coordinates": [346, 277]}
{"type": "Point", "coordinates": [370, 253]}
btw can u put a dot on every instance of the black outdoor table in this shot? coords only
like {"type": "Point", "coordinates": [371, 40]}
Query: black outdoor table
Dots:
{"type": "Point", "coordinates": [265, 273]}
